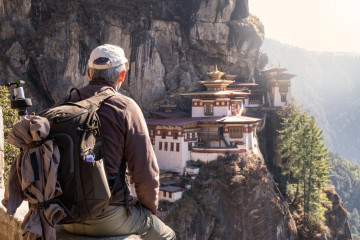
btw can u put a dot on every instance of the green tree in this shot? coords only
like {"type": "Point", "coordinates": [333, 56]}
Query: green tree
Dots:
{"type": "Point", "coordinates": [10, 117]}
{"type": "Point", "coordinates": [305, 167]}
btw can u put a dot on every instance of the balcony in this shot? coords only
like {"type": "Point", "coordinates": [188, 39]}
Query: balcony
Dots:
{"type": "Point", "coordinates": [203, 137]}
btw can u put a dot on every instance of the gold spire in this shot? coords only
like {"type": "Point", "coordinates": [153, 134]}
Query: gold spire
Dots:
{"type": "Point", "coordinates": [215, 75]}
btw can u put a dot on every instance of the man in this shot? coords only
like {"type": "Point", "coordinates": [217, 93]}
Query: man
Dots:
{"type": "Point", "coordinates": [125, 137]}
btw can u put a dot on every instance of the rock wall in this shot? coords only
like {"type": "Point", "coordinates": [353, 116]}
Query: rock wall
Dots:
{"type": "Point", "coordinates": [170, 44]}
{"type": "Point", "coordinates": [233, 198]}
{"type": "Point", "coordinates": [336, 218]}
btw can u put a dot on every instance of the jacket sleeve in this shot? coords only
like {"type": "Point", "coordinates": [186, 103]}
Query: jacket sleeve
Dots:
{"type": "Point", "coordinates": [141, 158]}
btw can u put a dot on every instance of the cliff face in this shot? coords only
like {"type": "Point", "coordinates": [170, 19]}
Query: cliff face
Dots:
{"type": "Point", "coordinates": [233, 198]}
{"type": "Point", "coordinates": [170, 44]}
{"type": "Point", "coordinates": [336, 218]}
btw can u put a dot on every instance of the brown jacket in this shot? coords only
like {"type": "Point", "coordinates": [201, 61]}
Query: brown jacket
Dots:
{"type": "Point", "coordinates": [126, 136]}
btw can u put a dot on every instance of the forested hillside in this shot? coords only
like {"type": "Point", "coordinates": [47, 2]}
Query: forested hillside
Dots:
{"type": "Point", "coordinates": [328, 85]}
{"type": "Point", "coordinates": [346, 178]}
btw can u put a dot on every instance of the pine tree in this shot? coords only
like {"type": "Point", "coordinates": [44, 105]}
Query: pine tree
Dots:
{"type": "Point", "coordinates": [305, 167]}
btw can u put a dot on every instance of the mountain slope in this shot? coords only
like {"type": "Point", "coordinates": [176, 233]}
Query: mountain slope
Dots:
{"type": "Point", "coordinates": [328, 85]}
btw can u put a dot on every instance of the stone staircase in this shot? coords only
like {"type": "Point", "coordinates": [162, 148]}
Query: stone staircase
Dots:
{"type": "Point", "coordinates": [10, 226]}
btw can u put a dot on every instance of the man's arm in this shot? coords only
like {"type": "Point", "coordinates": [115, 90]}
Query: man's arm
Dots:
{"type": "Point", "coordinates": [141, 158]}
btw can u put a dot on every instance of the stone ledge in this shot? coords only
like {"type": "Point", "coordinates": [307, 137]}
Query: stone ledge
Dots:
{"type": "Point", "coordinates": [10, 226]}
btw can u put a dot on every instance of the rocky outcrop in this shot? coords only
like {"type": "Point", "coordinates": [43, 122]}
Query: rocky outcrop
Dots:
{"type": "Point", "coordinates": [336, 218]}
{"type": "Point", "coordinates": [233, 198]}
{"type": "Point", "coordinates": [170, 44]}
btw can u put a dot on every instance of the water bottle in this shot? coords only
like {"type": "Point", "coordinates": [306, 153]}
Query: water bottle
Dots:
{"type": "Point", "coordinates": [89, 158]}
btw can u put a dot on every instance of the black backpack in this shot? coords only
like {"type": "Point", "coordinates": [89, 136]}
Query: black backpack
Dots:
{"type": "Point", "coordinates": [75, 128]}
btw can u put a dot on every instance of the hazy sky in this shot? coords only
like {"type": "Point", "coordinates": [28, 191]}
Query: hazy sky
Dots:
{"type": "Point", "coordinates": [320, 25]}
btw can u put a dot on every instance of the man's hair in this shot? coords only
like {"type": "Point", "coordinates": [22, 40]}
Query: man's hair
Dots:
{"type": "Point", "coordinates": [110, 74]}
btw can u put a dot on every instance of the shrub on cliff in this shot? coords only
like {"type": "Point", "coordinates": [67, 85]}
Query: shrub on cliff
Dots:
{"type": "Point", "coordinates": [10, 117]}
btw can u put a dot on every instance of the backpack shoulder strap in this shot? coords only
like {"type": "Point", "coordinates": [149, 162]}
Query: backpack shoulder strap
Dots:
{"type": "Point", "coordinates": [97, 99]}
{"type": "Point", "coordinates": [69, 96]}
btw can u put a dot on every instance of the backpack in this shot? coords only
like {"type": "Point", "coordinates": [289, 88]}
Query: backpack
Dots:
{"type": "Point", "coordinates": [75, 128]}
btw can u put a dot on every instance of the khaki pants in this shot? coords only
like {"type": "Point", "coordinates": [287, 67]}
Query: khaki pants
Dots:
{"type": "Point", "coordinates": [115, 223]}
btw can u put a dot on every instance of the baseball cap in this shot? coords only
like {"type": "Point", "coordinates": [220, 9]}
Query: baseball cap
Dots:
{"type": "Point", "coordinates": [114, 53]}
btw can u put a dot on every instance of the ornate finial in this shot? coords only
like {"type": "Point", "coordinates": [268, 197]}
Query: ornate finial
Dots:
{"type": "Point", "coordinates": [215, 74]}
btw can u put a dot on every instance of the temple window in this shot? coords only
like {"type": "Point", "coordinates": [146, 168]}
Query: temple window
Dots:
{"type": "Point", "coordinates": [172, 146]}
{"type": "Point", "coordinates": [255, 99]}
{"type": "Point", "coordinates": [190, 146]}
{"type": "Point", "coordinates": [208, 109]}
{"type": "Point", "coordinates": [163, 134]}
{"type": "Point", "coordinates": [166, 146]}
{"type": "Point", "coordinates": [236, 132]}
{"type": "Point", "coordinates": [164, 194]}
{"type": "Point", "coordinates": [160, 145]}
{"type": "Point", "coordinates": [178, 147]}
{"type": "Point", "coordinates": [176, 134]}
{"type": "Point", "coordinates": [283, 97]}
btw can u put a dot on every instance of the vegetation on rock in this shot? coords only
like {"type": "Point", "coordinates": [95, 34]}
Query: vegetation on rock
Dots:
{"type": "Point", "coordinates": [10, 117]}
{"type": "Point", "coordinates": [305, 169]}
{"type": "Point", "coordinates": [346, 179]}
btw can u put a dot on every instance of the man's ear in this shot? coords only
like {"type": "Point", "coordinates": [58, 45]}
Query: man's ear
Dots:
{"type": "Point", "coordinates": [88, 73]}
{"type": "Point", "coordinates": [122, 76]}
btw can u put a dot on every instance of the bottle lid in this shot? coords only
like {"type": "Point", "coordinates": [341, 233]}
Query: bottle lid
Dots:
{"type": "Point", "coordinates": [89, 158]}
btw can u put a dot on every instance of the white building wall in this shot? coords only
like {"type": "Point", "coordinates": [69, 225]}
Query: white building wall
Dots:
{"type": "Point", "coordinates": [241, 109]}
{"type": "Point", "coordinates": [250, 139]}
{"type": "Point", "coordinates": [170, 160]}
{"type": "Point", "coordinates": [184, 148]}
{"type": "Point", "coordinates": [246, 104]}
{"type": "Point", "coordinates": [221, 111]}
{"type": "Point", "coordinates": [215, 144]}
{"type": "Point", "coordinates": [175, 196]}
{"type": "Point", "coordinates": [277, 97]}
{"type": "Point", "coordinates": [205, 157]}
{"type": "Point", "coordinates": [197, 112]}
{"type": "Point", "coordinates": [192, 171]}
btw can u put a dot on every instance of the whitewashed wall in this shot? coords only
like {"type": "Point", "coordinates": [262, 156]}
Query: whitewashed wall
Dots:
{"type": "Point", "coordinates": [174, 196]}
{"type": "Point", "coordinates": [221, 111]}
{"type": "Point", "coordinates": [277, 97]}
{"type": "Point", "coordinates": [205, 157]}
{"type": "Point", "coordinates": [170, 160]}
